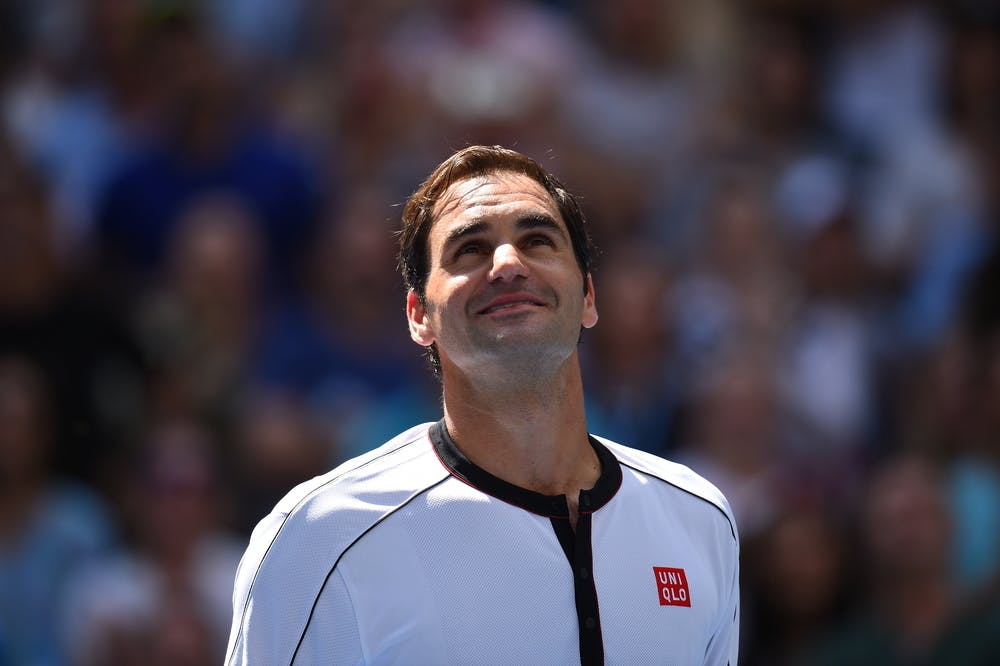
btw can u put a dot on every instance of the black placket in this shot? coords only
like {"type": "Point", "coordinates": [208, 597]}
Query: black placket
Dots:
{"type": "Point", "coordinates": [576, 544]}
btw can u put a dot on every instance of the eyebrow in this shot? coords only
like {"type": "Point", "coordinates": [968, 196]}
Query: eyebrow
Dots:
{"type": "Point", "coordinates": [473, 227]}
{"type": "Point", "coordinates": [541, 221]}
{"type": "Point", "coordinates": [464, 231]}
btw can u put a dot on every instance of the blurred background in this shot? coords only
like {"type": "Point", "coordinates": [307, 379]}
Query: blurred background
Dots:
{"type": "Point", "coordinates": [797, 204]}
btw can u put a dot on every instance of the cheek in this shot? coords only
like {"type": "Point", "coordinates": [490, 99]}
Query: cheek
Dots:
{"type": "Point", "coordinates": [453, 289]}
{"type": "Point", "coordinates": [446, 296]}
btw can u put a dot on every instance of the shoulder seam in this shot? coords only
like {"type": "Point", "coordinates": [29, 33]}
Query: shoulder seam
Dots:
{"type": "Point", "coordinates": [378, 522]}
{"type": "Point", "coordinates": [284, 520]}
{"type": "Point", "coordinates": [732, 528]}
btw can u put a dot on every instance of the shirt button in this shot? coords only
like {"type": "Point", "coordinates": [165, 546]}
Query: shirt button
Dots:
{"type": "Point", "coordinates": [584, 573]}
{"type": "Point", "coordinates": [585, 500]}
{"type": "Point", "coordinates": [590, 623]}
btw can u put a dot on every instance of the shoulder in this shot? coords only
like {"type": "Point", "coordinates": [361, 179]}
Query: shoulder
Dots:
{"type": "Point", "coordinates": [295, 549]}
{"type": "Point", "coordinates": [675, 475]}
{"type": "Point", "coordinates": [384, 478]}
{"type": "Point", "coordinates": [320, 518]}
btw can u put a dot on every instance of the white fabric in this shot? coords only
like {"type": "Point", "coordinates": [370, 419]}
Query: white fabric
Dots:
{"type": "Point", "coordinates": [391, 560]}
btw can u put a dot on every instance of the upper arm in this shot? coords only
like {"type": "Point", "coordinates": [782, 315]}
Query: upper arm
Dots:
{"type": "Point", "coordinates": [244, 608]}
{"type": "Point", "coordinates": [332, 635]}
{"type": "Point", "coordinates": [723, 646]}
{"type": "Point", "coordinates": [284, 612]}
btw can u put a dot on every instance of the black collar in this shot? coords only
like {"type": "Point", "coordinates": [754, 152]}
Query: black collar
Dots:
{"type": "Point", "coordinates": [553, 506]}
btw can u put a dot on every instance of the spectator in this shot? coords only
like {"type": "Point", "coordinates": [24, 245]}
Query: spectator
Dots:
{"type": "Point", "coordinates": [50, 529]}
{"type": "Point", "coordinates": [343, 349]}
{"type": "Point", "coordinates": [732, 435]}
{"type": "Point", "coordinates": [78, 105]}
{"type": "Point", "coordinates": [913, 612]}
{"type": "Point", "coordinates": [628, 360]}
{"type": "Point", "coordinates": [487, 64]}
{"type": "Point", "coordinates": [736, 283]}
{"type": "Point", "coordinates": [208, 142]}
{"type": "Point", "coordinates": [79, 343]}
{"type": "Point", "coordinates": [279, 442]}
{"type": "Point", "coordinates": [828, 373]}
{"type": "Point", "coordinates": [974, 478]}
{"type": "Point", "coordinates": [201, 326]}
{"type": "Point", "coordinates": [167, 595]}
{"type": "Point", "coordinates": [797, 582]}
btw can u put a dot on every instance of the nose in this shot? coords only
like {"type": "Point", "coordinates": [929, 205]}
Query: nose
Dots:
{"type": "Point", "coordinates": [507, 264]}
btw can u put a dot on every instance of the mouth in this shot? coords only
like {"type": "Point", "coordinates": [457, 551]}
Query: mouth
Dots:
{"type": "Point", "coordinates": [510, 302]}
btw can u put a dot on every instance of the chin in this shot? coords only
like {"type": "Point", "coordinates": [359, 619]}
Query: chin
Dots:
{"type": "Point", "coordinates": [516, 351]}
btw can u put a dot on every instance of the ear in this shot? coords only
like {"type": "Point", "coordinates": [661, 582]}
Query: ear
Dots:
{"type": "Point", "coordinates": [589, 319]}
{"type": "Point", "coordinates": [416, 317]}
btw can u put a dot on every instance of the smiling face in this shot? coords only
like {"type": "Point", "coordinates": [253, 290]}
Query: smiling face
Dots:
{"type": "Point", "coordinates": [504, 289]}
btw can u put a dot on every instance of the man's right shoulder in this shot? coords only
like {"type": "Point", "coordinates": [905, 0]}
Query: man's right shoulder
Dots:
{"type": "Point", "coordinates": [295, 548]}
{"type": "Point", "coordinates": [320, 519]}
{"type": "Point", "coordinates": [392, 469]}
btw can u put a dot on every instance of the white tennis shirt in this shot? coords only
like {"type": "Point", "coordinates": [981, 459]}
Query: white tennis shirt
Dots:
{"type": "Point", "coordinates": [412, 554]}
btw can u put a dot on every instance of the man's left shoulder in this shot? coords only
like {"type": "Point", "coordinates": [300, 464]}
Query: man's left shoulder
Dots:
{"type": "Point", "coordinates": [673, 474]}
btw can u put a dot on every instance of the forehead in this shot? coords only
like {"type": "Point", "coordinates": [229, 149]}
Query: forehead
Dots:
{"type": "Point", "coordinates": [493, 195]}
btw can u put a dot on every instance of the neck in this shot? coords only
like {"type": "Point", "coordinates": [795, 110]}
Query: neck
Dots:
{"type": "Point", "coordinates": [530, 433]}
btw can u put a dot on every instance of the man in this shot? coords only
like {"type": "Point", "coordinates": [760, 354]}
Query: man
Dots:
{"type": "Point", "coordinates": [504, 533]}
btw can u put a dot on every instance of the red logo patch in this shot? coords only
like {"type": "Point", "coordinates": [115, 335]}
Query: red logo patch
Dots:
{"type": "Point", "coordinates": [673, 586]}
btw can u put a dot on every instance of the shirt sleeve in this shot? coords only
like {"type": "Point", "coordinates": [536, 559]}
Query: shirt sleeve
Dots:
{"type": "Point", "coordinates": [723, 647]}
{"type": "Point", "coordinates": [264, 632]}
{"type": "Point", "coordinates": [332, 637]}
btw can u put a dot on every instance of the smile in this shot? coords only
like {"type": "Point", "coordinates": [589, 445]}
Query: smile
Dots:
{"type": "Point", "coordinates": [510, 302]}
{"type": "Point", "coordinates": [508, 306]}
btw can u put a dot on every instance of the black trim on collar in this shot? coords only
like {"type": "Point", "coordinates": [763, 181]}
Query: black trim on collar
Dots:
{"type": "Point", "coordinates": [552, 506]}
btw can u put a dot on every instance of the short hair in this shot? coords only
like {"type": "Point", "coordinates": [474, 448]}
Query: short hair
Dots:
{"type": "Point", "coordinates": [472, 162]}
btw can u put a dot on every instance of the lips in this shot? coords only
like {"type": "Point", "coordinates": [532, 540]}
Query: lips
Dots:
{"type": "Point", "coordinates": [509, 302]}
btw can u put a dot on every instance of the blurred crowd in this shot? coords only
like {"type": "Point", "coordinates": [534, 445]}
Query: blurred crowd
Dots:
{"type": "Point", "coordinates": [798, 206]}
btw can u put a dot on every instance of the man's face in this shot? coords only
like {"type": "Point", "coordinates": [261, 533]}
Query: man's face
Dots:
{"type": "Point", "coordinates": [504, 288]}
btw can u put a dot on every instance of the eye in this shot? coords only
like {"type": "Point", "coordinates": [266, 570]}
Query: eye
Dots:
{"type": "Point", "coordinates": [472, 247]}
{"type": "Point", "coordinates": [538, 240]}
